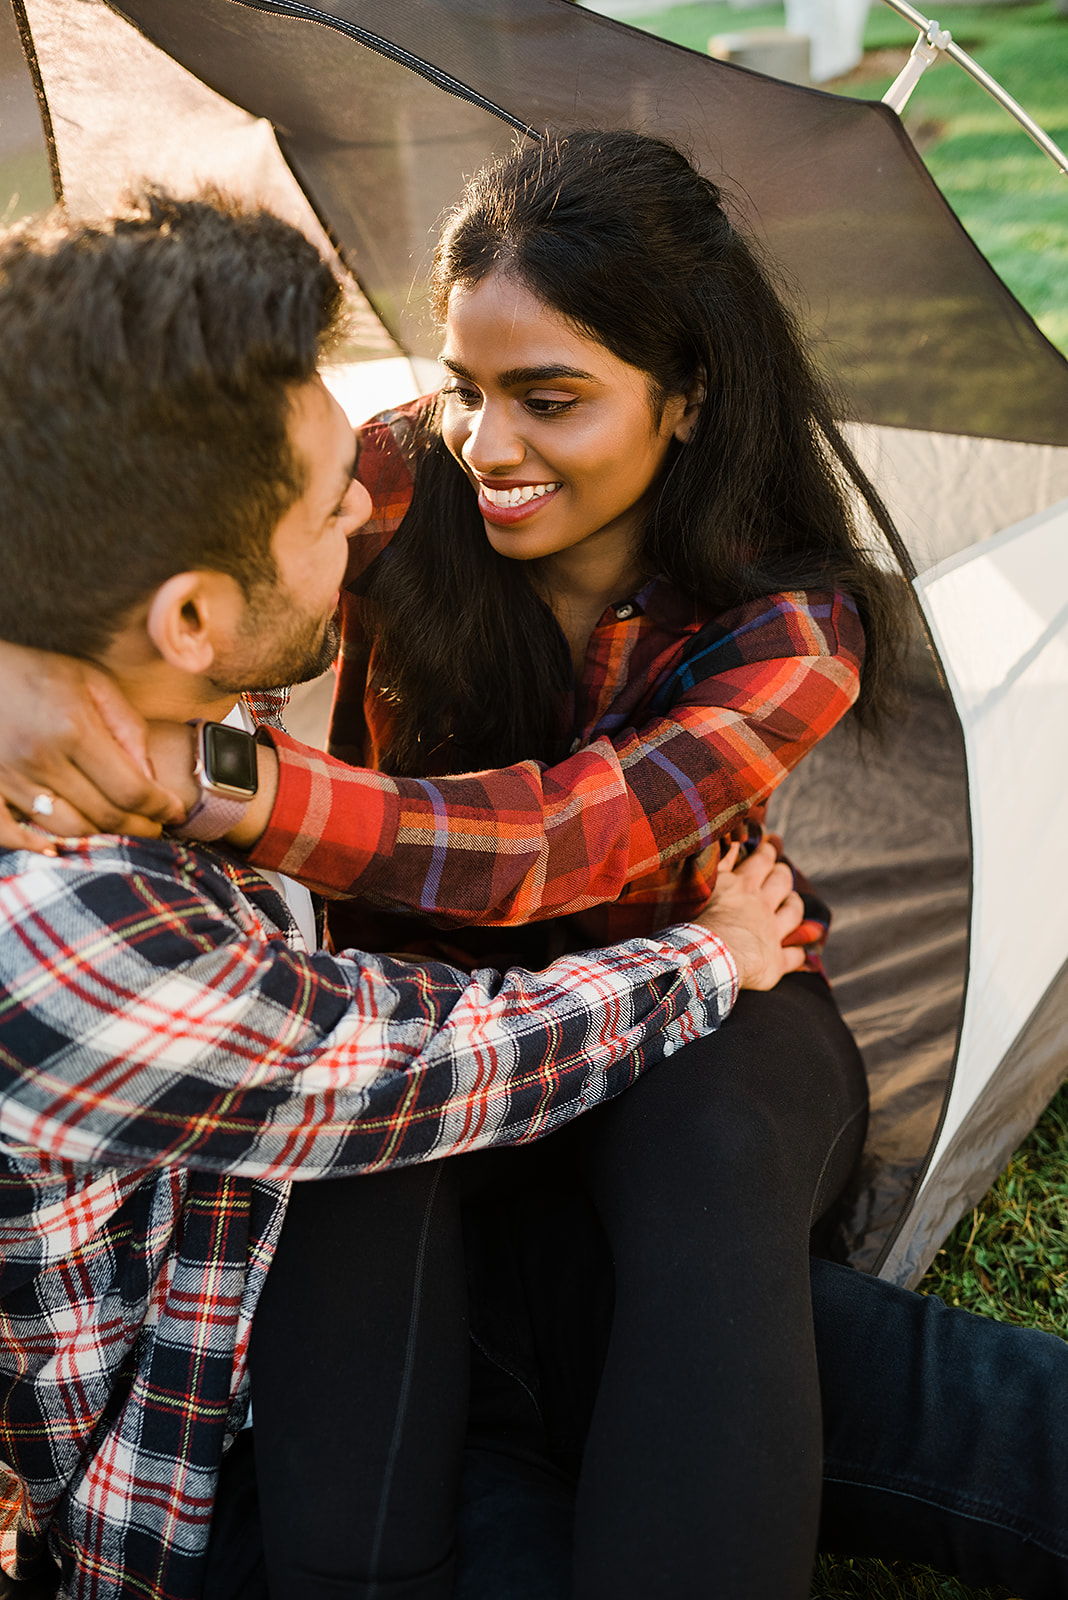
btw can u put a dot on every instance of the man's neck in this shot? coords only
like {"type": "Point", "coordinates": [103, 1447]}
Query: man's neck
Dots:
{"type": "Point", "coordinates": [163, 694]}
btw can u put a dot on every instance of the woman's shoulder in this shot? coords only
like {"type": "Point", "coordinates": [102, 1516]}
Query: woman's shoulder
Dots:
{"type": "Point", "coordinates": [396, 434]}
{"type": "Point", "coordinates": [791, 622]}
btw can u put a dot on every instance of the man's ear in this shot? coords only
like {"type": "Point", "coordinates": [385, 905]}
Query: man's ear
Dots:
{"type": "Point", "coordinates": [695, 399]}
{"type": "Point", "coordinates": [190, 615]}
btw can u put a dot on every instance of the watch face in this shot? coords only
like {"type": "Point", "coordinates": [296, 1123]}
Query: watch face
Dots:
{"type": "Point", "coordinates": [230, 760]}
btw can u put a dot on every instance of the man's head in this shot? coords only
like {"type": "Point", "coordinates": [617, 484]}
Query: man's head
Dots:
{"type": "Point", "coordinates": [161, 421]}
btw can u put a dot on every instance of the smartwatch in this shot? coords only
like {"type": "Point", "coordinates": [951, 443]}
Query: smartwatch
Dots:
{"type": "Point", "coordinates": [228, 774]}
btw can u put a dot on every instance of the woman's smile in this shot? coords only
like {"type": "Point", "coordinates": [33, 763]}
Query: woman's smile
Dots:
{"type": "Point", "coordinates": [561, 440]}
{"type": "Point", "coordinates": [505, 504]}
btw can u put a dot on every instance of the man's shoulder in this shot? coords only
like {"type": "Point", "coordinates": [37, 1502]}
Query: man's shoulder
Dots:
{"type": "Point", "coordinates": [105, 853]}
{"type": "Point", "coordinates": [126, 886]}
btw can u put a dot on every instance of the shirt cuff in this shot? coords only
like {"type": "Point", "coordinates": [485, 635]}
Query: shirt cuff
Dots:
{"type": "Point", "coordinates": [714, 967]}
{"type": "Point", "coordinates": [327, 822]}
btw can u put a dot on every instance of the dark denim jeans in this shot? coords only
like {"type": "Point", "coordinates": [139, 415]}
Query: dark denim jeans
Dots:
{"type": "Point", "coordinates": [945, 1438]}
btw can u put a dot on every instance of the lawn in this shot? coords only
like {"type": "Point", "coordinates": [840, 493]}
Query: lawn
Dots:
{"type": "Point", "coordinates": [1009, 1257]}
{"type": "Point", "coordinates": [1010, 196]}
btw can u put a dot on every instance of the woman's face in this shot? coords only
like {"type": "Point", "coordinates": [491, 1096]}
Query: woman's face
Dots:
{"type": "Point", "coordinates": [557, 435]}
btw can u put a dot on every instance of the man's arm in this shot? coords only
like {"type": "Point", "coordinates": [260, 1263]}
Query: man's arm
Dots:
{"type": "Point", "coordinates": [146, 1019]}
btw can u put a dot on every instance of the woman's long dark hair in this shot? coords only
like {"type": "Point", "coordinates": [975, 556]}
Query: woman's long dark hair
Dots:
{"type": "Point", "coordinates": [619, 234]}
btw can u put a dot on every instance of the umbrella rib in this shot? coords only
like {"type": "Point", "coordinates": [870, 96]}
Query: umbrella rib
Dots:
{"type": "Point", "coordinates": [30, 51]}
{"type": "Point", "coordinates": [932, 33]}
{"type": "Point", "coordinates": [383, 47]}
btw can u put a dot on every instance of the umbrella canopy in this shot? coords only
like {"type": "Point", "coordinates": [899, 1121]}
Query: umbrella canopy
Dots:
{"type": "Point", "coordinates": [360, 120]}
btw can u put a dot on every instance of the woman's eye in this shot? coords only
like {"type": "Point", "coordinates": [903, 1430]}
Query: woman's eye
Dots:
{"type": "Point", "coordinates": [549, 405]}
{"type": "Point", "coordinates": [345, 507]}
{"type": "Point", "coordinates": [470, 398]}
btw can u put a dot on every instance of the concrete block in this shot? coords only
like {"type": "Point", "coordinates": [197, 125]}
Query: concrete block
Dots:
{"type": "Point", "coordinates": [772, 51]}
{"type": "Point", "coordinates": [836, 29]}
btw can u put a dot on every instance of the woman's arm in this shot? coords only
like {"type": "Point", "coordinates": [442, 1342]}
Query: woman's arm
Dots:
{"type": "Point", "coordinates": [526, 842]}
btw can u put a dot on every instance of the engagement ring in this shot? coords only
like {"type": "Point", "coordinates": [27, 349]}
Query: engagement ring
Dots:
{"type": "Point", "coordinates": [42, 805]}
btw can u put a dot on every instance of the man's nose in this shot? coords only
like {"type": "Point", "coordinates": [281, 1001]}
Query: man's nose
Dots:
{"type": "Point", "coordinates": [493, 443]}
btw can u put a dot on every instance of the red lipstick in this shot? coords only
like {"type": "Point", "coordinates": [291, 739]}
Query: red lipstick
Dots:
{"type": "Point", "coordinates": [507, 516]}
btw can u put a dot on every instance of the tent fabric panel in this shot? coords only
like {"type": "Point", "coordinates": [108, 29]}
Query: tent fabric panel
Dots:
{"type": "Point", "coordinates": [882, 829]}
{"type": "Point", "coordinates": [999, 615]}
{"type": "Point", "coordinates": [947, 491]}
{"type": "Point", "coordinates": [1002, 1114]}
{"type": "Point", "coordinates": [378, 149]}
{"type": "Point", "coordinates": [915, 325]}
{"type": "Point", "coordinates": [125, 113]}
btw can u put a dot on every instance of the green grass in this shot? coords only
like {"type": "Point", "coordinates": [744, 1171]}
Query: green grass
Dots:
{"type": "Point", "coordinates": [1009, 196]}
{"type": "Point", "coordinates": [1009, 1257]}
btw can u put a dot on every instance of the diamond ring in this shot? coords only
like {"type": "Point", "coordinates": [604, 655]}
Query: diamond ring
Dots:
{"type": "Point", "coordinates": [43, 804]}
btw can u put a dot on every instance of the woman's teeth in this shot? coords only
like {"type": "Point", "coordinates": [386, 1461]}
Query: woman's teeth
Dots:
{"type": "Point", "coordinates": [517, 497]}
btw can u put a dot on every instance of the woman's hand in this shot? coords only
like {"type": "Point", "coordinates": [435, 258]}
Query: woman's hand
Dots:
{"type": "Point", "coordinates": [69, 740]}
{"type": "Point", "coordinates": [753, 908]}
{"type": "Point", "coordinates": [172, 752]}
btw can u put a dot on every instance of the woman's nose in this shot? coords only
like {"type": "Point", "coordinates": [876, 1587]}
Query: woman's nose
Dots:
{"type": "Point", "coordinates": [492, 442]}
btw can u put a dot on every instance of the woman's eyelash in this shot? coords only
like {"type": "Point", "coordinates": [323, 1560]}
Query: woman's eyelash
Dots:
{"type": "Point", "coordinates": [548, 408]}
{"type": "Point", "coordinates": [540, 406]}
{"type": "Point", "coordinates": [466, 397]}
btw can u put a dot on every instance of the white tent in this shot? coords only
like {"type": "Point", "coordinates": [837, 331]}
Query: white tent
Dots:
{"type": "Point", "coordinates": [359, 119]}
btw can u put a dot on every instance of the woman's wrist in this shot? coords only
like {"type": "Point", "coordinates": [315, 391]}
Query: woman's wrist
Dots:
{"type": "Point", "coordinates": [247, 833]}
{"type": "Point", "coordinates": [173, 749]}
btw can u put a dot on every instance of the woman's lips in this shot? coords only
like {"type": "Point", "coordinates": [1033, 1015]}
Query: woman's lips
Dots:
{"type": "Point", "coordinates": [507, 516]}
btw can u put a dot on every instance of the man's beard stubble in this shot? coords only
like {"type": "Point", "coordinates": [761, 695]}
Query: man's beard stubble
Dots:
{"type": "Point", "coordinates": [277, 651]}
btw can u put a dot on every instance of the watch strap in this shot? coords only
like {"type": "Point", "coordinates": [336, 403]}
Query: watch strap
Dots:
{"type": "Point", "coordinates": [211, 817]}
{"type": "Point", "coordinates": [216, 811]}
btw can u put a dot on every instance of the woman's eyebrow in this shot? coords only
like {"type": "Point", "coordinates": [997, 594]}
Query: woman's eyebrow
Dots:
{"type": "Point", "coordinates": [513, 376]}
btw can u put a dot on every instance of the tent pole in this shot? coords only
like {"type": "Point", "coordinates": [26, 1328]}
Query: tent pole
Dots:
{"type": "Point", "coordinates": [936, 41]}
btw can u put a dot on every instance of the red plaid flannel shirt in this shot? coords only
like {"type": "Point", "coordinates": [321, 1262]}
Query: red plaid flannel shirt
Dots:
{"type": "Point", "coordinates": [621, 838]}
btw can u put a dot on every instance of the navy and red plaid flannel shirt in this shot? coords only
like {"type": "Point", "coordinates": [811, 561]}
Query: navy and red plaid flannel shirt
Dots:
{"type": "Point", "coordinates": [621, 838]}
{"type": "Point", "coordinates": [170, 1059]}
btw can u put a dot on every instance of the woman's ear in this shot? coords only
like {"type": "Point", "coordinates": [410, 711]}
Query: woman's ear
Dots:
{"type": "Point", "coordinates": [695, 397]}
{"type": "Point", "coordinates": [190, 615]}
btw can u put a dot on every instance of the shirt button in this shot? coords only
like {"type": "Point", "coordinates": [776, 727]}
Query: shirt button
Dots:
{"type": "Point", "coordinates": [669, 1047]}
{"type": "Point", "coordinates": [624, 611]}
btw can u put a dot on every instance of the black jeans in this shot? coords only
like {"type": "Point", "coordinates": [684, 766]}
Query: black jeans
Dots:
{"type": "Point", "coordinates": [359, 1365]}
{"type": "Point", "coordinates": [945, 1437]}
{"type": "Point", "coordinates": [700, 1471]}
{"type": "Point", "coordinates": [702, 1462]}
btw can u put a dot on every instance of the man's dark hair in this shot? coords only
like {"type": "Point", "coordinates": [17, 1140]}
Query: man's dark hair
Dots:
{"type": "Point", "coordinates": [145, 365]}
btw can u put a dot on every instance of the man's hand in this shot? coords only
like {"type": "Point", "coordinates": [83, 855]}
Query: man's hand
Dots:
{"type": "Point", "coordinates": [69, 739]}
{"type": "Point", "coordinates": [753, 908]}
